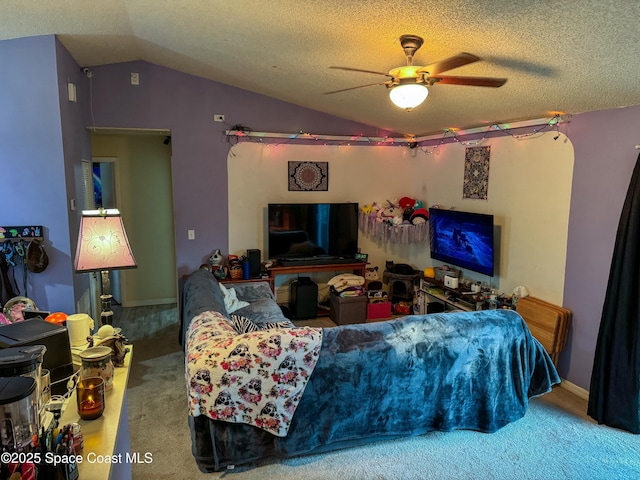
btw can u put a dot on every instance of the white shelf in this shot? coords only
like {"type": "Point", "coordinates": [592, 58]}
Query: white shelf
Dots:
{"type": "Point", "coordinates": [106, 437]}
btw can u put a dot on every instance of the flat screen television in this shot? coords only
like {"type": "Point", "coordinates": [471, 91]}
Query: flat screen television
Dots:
{"type": "Point", "coordinates": [312, 231]}
{"type": "Point", "coordinates": [462, 239]}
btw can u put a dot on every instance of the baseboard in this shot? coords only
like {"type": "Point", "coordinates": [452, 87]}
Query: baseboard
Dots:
{"type": "Point", "coordinates": [575, 389]}
{"type": "Point", "coordinates": [146, 303]}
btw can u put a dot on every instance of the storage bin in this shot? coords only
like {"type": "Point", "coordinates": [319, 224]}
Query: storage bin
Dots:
{"type": "Point", "coordinates": [378, 310]}
{"type": "Point", "coordinates": [345, 310]}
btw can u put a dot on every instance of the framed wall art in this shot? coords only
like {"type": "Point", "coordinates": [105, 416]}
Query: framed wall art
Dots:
{"type": "Point", "coordinates": [476, 173]}
{"type": "Point", "coordinates": [308, 176]}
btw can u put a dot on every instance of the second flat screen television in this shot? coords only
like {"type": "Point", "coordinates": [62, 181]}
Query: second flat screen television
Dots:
{"type": "Point", "coordinates": [463, 239]}
{"type": "Point", "coordinates": [312, 230]}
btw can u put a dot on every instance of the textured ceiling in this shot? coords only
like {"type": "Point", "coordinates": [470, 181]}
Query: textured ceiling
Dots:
{"type": "Point", "coordinates": [570, 57]}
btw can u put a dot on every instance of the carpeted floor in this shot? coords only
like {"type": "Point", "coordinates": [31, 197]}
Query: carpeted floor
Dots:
{"type": "Point", "coordinates": [555, 440]}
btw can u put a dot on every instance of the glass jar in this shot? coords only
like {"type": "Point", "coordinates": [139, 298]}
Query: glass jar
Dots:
{"type": "Point", "coordinates": [96, 362]}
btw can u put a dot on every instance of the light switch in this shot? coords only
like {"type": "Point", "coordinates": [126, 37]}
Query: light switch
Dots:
{"type": "Point", "coordinates": [191, 234]}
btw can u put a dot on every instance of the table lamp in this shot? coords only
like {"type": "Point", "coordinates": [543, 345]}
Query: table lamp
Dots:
{"type": "Point", "coordinates": [103, 246]}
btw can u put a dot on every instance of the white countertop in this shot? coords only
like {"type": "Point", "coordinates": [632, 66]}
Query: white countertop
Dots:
{"type": "Point", "coordinates": [106, 439]}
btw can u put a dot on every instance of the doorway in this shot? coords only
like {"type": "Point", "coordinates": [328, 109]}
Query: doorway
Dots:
{"type": "Point", "coordinates": [105, 195]}
{"type": "Point", "coordinates": [135, 174]}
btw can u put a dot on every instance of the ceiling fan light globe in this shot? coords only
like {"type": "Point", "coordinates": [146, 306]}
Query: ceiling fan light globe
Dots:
{"type": "Point", "coordinates": [408, 96]}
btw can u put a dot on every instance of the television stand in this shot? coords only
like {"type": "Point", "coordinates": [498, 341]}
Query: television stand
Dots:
{"type": "Point", "coordinates": [358, 268]}
{"type": "Point", "coordinates": [305, 261]}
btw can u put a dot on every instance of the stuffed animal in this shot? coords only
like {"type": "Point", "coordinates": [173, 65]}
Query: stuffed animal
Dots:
{"type": "Point", "coordinates": [407, 214]}
{"type": "Point", "coordinates": [390, 210]}
{"type": "Point", "coordinates": [391, 213]}
{"type": "Point", "coordinates": [421, 215]}
{"type": "Point", "coordinates": [216, 258]}
{"type": "Point", "coordinates": [407, 202]}
{"type": "Point", "coordinates": [366, 209]}
{"type": "Point", "coordinates": [372, 279]}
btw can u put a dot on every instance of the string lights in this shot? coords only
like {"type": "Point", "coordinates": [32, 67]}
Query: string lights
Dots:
{"type": "Point", "coordinates": [424, 145]}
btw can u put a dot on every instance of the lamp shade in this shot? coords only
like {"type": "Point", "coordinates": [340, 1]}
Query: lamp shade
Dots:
{"type": "Point", "coordinates": [103, 243]}
{"type": "Point", "coordinates": [408, 95]}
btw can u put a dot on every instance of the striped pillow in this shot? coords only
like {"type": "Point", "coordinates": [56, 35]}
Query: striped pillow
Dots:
{"type": "Point", "coordinates": [243, 324]}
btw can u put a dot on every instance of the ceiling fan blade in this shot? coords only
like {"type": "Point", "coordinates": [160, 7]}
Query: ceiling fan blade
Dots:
{"type": "Point", "coordinates": [450, 63]}
{"type": "Point", "coordinates": [353, 88]}
{"type": "Point", "coordinates": [470, 81]}
{"type": "Point", "coordinates": [349, 69]}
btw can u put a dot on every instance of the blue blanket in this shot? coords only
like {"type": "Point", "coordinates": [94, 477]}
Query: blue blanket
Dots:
{"type": "Point", "coordinates": [403, 377]}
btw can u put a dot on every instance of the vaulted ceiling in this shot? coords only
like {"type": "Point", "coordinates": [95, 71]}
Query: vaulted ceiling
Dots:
{"type": "Point", "coordinates": [569, 57]}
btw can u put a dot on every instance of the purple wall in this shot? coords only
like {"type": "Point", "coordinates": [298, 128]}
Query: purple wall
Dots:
{"type": "Point", "coordinates": [33, 172]}
{"type": "Point", "coordinates": [185, 104]}
{"type": "Point", "coordinates": [604, 145]}
{"type": "Point", "coordinates": [76, 143]}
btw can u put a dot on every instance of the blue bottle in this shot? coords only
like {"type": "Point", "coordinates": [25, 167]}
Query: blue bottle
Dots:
{"type": "Point", "coordinates": [246, 270]}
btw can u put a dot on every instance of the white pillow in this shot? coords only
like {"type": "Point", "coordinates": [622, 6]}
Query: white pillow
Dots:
{"type": "Point", "coordinates": [231, 301]}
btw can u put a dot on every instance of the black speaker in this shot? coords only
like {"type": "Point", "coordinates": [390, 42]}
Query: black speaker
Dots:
{"type": "Point", "coordinates": [304, 299]}
{"type": "Point", "coordinates": [255, 262]}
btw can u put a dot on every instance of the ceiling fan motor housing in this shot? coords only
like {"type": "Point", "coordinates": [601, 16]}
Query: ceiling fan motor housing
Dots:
{"type": "Point", "coordinates": [410, 45]}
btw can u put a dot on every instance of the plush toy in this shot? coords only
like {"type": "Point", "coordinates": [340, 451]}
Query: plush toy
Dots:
{"type": "Point", "coordinates": [390, 210]}
{"type": "Point", "coordinates": [391, 213]}
{"type": "Point", "coordinates": [407, 202]}
{"type": "Point", "coordinates": [372, 279]}
{"type": "Point", "coordinates": [366, 209]}
{"type": "Point", "coordinates": [216, 258]}
{"type": "Point", "coordinates": [421, 215]}
{"type": "Point", "coordinates": [406, 214]}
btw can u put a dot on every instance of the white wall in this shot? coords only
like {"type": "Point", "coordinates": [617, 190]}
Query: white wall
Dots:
{"type": "Point", "coordinates": [529, 192]}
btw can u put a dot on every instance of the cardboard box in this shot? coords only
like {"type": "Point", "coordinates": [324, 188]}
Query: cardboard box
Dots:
{"type": "Point", "coordinates": [345, 310]}
{"type": "Point", "coordinates": [378, 310]}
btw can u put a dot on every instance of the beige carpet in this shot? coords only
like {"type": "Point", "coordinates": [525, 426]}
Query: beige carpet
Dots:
{"type": "Point", "coordinates": [554, 440]}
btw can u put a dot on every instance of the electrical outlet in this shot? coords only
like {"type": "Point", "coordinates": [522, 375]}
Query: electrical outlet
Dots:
{"type": "Point", "coordinates": [191, 234]}
{"type": "Point", "coordinates": [218, 118]}
{"type": "Point", "coordinates": [135, 78]}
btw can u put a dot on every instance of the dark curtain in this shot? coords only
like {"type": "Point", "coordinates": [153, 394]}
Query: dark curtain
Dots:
{"type": "Point", "coordinates": [614, 397]}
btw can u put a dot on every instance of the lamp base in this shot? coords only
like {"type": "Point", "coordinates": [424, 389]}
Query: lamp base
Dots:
{"type": "Point", "coordinates": [106, 316]}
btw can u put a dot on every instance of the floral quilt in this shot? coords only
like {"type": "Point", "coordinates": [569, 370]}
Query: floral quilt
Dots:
{"type": "Point", "coordinates": [256, 378]}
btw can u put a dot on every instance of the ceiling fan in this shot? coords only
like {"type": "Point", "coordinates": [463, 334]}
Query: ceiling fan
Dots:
{"type": "Point", "coordinates": [408, 84]}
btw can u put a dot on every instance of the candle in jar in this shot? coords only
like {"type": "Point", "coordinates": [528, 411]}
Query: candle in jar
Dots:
{"type": "Point", "coordinates": [90, 398]}
{"type": "Point", "coordinates": [90, 408]}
